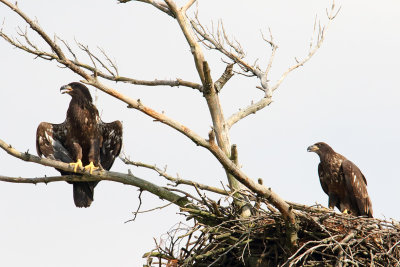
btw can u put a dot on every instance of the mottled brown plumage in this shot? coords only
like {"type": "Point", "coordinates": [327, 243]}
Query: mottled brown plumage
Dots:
{"type": "Point", "coordinates": [342, 181]}
{"type": "Point", "coordinates": [82, 138]}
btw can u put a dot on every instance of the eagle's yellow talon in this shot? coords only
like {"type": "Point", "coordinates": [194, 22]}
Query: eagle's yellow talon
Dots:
{"type": "Point", "coordinates": [76, 164]}
{"type": "Point", "coordinates": [90, 167]}
{"type": "Point", "coordinates": [345, 211]}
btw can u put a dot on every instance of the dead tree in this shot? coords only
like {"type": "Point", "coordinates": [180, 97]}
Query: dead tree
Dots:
{"type": "Point", "coordinates": [247, 194]}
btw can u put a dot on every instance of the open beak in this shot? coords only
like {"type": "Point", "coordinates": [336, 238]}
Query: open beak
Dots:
{"type": "Point", "coordinates": [66, 89]}
{"type": "Point", "coordinates": [312, 148]}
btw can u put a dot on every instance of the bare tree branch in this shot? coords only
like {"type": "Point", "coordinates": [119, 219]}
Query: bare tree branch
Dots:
{"type": "Point", "coordinates": [252, 109]}
{"type": "Point", "coordinates": [112, 63]}
{"type": "Point", "coordinates": [176, 180]}
{"type": "Point", "coordinates": [111, 76]}
{"type": "Point", "coordinates": [313, 49]}
{"type": "Point", "coordinates": [195, 49]}
{"type": "Point", "coordinates": [158, 4]}
{"type": "Point", "coordinates": [48, 179]}
{"type": "Point", "coordinates": [138, 208]}
{"type": "Point", "coordinates": [228, 73]}
{"type": "Point", "coordinates": [149, 210]}
{"type": "Point", "coordinates": [274, 47]}
{"type": "Point", "coordinates": [36, 28]}
{"type": "Point", "coordinates": [188, 5]}
{"type": "Point", "coordinates": [98, 175]}
{"type": "Point", "coordinates": [212, 41]}
{"type": "Point", "coordinates": [18, 44]}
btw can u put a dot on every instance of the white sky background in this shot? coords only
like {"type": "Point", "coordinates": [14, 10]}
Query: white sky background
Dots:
{"type": "Point", "coordinates": [347, 95]}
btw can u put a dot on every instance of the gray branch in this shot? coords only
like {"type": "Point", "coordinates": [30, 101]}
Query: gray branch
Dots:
{"type": "Point", "coordinates": [98, 175]}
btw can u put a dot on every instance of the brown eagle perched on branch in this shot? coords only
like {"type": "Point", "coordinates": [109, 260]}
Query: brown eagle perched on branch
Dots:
{"type": "Point", "coordinates": [342, 181]}
{"type": "Point", "coordinates": [83, 139]}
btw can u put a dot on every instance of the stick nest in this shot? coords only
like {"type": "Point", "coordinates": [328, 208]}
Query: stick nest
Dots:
{"type": "Point", "coordinates": [325, 238]}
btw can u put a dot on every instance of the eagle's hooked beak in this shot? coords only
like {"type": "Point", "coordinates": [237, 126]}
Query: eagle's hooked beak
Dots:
{"type": "Point", "coordinates": [66, 89]}
{"type": "Point", "coordinates": [312, 148]}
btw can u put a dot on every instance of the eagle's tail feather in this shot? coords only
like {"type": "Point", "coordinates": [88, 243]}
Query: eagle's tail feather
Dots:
{"type": "Point", "coordinates": [83, 193]}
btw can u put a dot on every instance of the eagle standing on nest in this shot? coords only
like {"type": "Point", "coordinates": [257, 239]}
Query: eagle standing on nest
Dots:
{"type": "Point", "coordinates": [82, 139]}
{"type": "Point", "coordinates": [342, 181]}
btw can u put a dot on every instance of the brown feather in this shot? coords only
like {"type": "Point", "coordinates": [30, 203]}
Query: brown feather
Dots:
{"type": "Point", "coordinates": [81, 136]}
{"type": "Point", "coordinates": [342, 181]}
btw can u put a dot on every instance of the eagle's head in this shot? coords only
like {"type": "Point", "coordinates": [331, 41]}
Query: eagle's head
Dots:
{"type": "Point", "coordinates": [320, 148]}
{"type": "Point", "coordinates": [77, 90]}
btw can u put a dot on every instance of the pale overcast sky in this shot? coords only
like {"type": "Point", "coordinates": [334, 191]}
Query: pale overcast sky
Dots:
{"type": "Point", "coordinates": [347, 95]}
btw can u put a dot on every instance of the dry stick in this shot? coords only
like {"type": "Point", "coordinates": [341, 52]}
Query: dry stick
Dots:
{"type": "Point", "coordinates": [184, 193]}
{"type": "Point", "coordinates": [60, 57]}
{"type": "Point", "coordinates": [390, 250]}
{"type": "Point", "coordinates": [187, 5]}
{"type": "Point", "coordinates": [36, 28]}
{"type": "Point", "coordinates": [227, 250]}
{"type": "Point", "coordinates": [153, 209]}
{"type": "Point", "coordinates": [138, 208]}
{"type": "Point", "coordinates": [190, 38]}
{"type": "Point", "coordinates": [111, 63]}
{"type": "Point", "coordinates": [203, 198]}
{"type": "Point", "coordinates": [198, 244]}
{"type": "Point", "coordinates": [178, 82]}
{"type": "Point", "coordinates": [322, 243]}
{"type": "Point", "coordinates": [339, 259]}
{"type": "Point", "coordinates": [253, 108]}
{"type": "Point", "coordinates": [112, 77]}
{"type": "Point", "coordinates": [346, 239]}
{"type": "Point", "coordinates": [303, 207]}
{"type": "Point", "coordinates": [215, 44]}
{"type": "Point", "coordinates": [274, 47]}
{"type": "Point", "coordinates": [321, 37]}
{"type": "Point", "coordinates": [176, 180]}
{"type": "Point", "coordinates": [158, 4]}
{"type": "Point", "coordinates": [228, 73]}
{"type": "Point", "coordinates": [46, 179]}
{"type": "Point", "coordinates": [293, 256]}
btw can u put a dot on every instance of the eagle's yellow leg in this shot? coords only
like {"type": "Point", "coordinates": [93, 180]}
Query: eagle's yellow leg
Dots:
{"type": "Point", "coordinates": [90, 167]}
{"type": "Point", "coordinates": [76, 164]}
{"type": "Point", "coordinates": [345, 211]}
